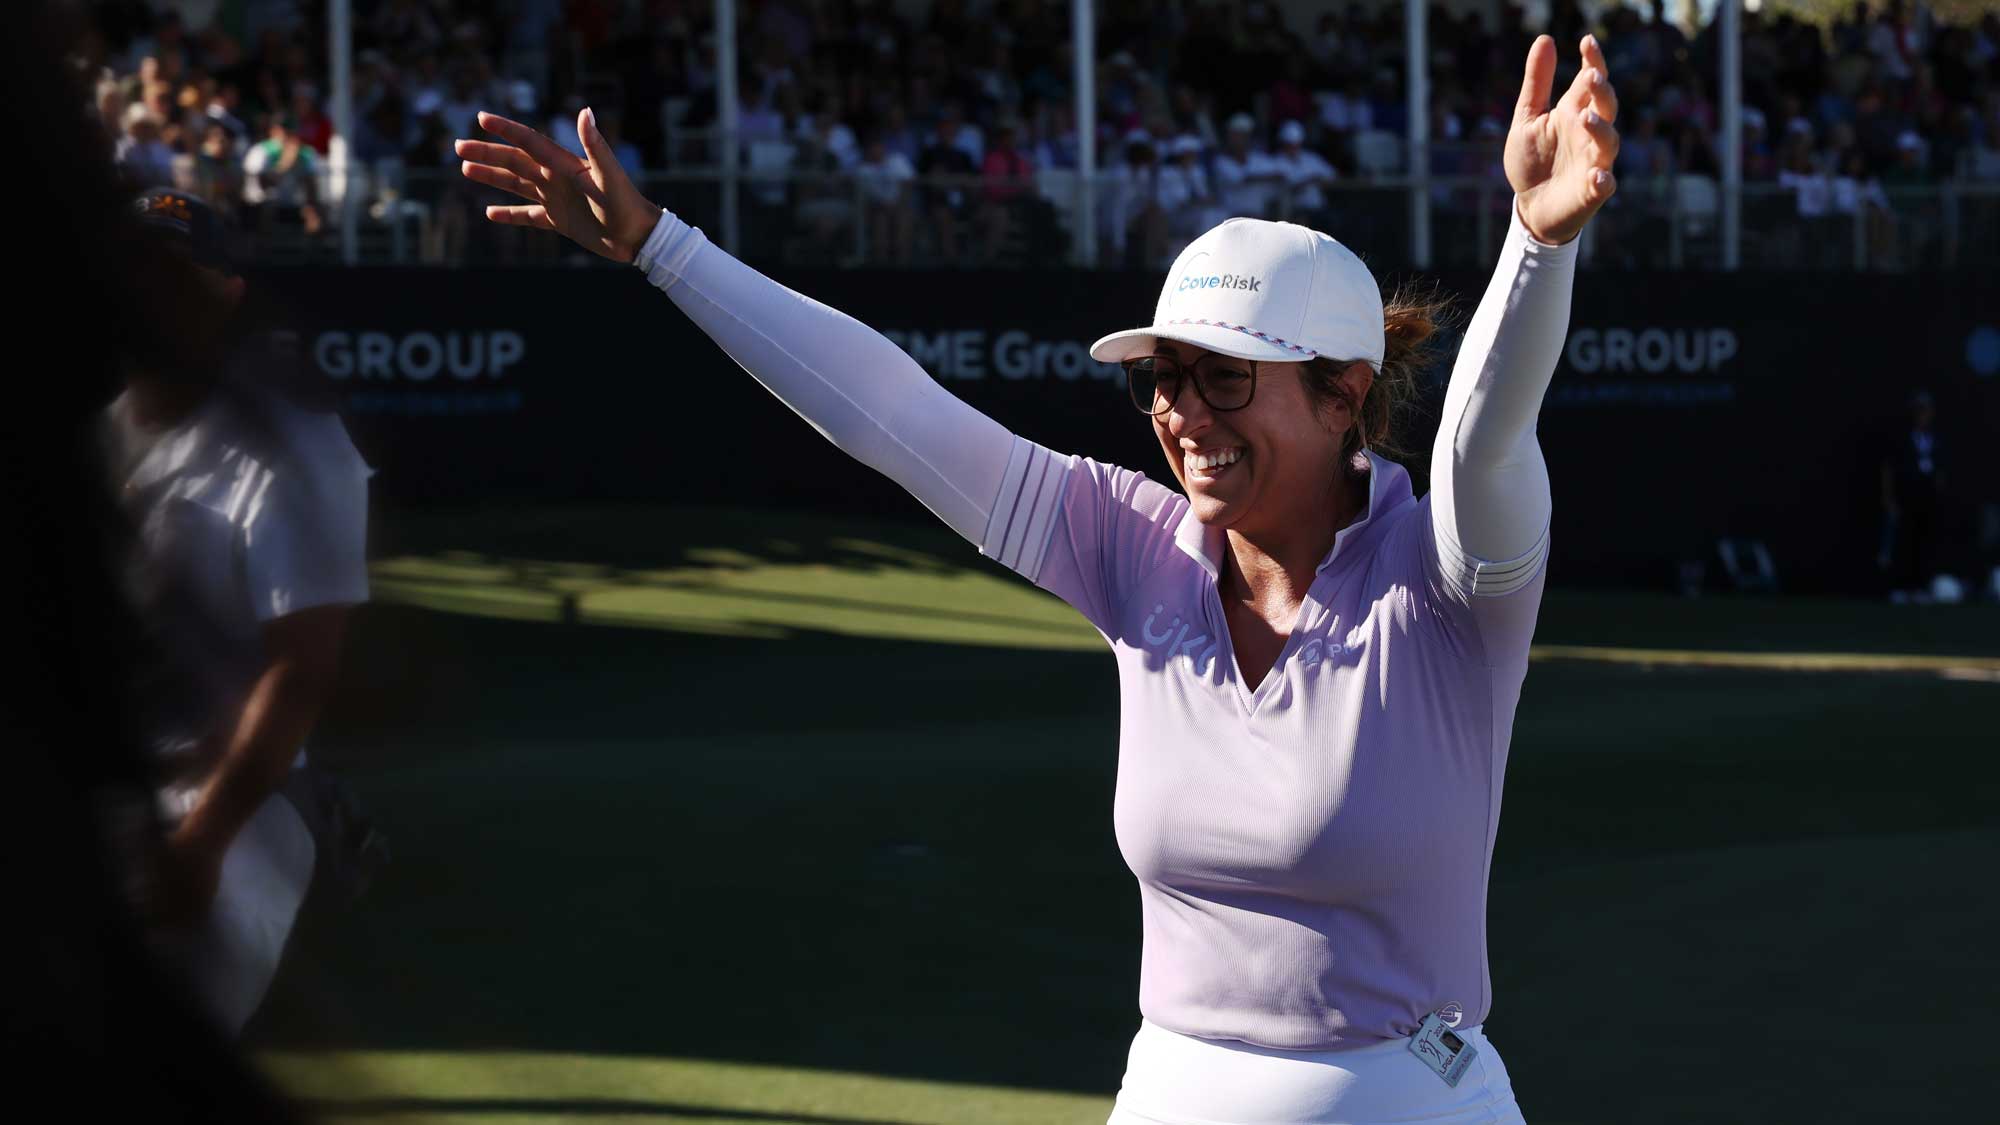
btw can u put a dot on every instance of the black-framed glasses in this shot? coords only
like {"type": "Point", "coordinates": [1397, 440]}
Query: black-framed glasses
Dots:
{"type": "Point", "coordinates": [1223, 382]}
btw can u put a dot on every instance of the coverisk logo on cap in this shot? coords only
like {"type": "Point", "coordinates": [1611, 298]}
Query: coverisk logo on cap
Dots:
{"type": "Point", "coordinates": [1220, 281]}
{"type": "Point", "coordinates": [1194, 277]}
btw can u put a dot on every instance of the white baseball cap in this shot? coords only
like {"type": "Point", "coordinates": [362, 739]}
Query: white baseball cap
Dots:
{"type": "Point", "coordinates": [1255, 289]}
{"type": "Point", "coordinates": [1291, 133]}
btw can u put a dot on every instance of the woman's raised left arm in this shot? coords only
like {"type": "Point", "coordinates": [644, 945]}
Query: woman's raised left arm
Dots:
{"type": "Point", "coordinates": [1490, 488]}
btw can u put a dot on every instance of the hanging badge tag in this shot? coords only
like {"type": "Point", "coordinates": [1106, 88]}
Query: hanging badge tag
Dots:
{"type": "Point", "coordinates": [1442, 1050]}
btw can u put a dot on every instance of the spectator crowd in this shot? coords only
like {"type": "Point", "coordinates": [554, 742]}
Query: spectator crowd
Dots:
{"type": "Point", "coordinates": [943, 131]}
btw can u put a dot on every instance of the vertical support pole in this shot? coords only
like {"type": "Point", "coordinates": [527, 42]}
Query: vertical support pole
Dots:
{"type": "Point", "coordinates": [726, 104]}
{"type": "Point", "coordinates": [1083, 33]}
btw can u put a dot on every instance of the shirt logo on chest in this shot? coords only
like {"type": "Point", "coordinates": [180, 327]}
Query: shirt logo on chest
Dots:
{"type": "Point", "coordinates": [1173, 639]}
{"type": "Point", "coordinates": [1326, 648]}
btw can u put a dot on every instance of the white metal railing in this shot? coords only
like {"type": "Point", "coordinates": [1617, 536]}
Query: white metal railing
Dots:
{"type": "Point", "coordinates": [431, 216]}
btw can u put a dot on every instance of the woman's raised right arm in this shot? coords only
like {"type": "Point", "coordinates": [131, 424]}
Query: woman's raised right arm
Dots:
{"type": "Point", "coordinates": [856, 387]}
{"type": "Point", "coordinates": [849, 381]}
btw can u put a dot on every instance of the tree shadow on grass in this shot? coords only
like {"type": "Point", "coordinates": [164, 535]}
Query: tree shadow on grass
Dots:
{"type": "Point", "coordinates": [639, 537]}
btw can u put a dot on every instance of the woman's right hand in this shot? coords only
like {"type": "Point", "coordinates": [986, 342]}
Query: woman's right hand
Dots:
{"type": "Point", "coordinates": [591, 202]}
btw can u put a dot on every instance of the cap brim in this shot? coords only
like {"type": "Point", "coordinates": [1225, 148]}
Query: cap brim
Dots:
{"type": "Point", "coordinates": [1121, 346]}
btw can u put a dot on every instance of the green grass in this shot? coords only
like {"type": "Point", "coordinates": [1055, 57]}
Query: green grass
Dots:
{"type": "Point", "coordinates": [484, 1086]}
{"type": "Point", "coordinates": [682, 862]}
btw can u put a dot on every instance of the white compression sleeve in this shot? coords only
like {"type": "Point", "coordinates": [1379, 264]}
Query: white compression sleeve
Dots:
{"type": "Point", "coordinates": [1490, 487]}
{"type": "Point", "coordinates": [858, 389]}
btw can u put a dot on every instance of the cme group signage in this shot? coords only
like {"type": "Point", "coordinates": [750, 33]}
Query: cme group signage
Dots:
{"type": "Point", "coordinates": [1647, 366]}
{"type": "Point", "coordinates": [452, 372]}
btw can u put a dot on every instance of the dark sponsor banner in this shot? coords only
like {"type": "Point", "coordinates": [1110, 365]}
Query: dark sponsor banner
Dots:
{"type": "Point", "coordinates": [1687, 407]}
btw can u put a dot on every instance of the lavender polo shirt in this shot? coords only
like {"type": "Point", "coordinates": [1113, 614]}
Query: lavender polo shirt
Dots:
{"type": "Point", "coordinates": [1312, 851]}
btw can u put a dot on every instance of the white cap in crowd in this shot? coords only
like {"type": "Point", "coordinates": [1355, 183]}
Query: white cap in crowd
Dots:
{"type": "Point", "coordinates": [1242, 123]}
{"type": "Point", "coordinates": [1187, 144]}
{"type": "Point", "coordinates": [1262, 290]}
{"type": "Point", "coordinates": [1291, 133]}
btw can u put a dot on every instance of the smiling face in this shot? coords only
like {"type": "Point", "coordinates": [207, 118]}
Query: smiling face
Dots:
{"type": "Point", "coordinates": [1267, 466]}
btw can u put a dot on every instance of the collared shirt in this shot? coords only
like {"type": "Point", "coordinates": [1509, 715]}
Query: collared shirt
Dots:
{"type": "Point", "coordinates": [1312, 850]}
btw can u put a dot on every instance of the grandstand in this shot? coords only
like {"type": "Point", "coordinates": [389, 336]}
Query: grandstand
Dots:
{"type": "Point", "coordinates": [941, 132]}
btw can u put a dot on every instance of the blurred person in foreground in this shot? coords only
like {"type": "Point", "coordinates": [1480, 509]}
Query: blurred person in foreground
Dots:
{"type": "Point", "coordinates": [248, 508]}
{"type": "Point", "coordinates": [92, 1022]}
{"type": "Point", "coordinates": [1311, 658]}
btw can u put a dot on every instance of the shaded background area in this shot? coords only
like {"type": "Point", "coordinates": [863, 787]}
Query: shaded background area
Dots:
{"type": "Point", "coordinates": [1747, 406]}
{"type": "Point", "coordinates": [850, 853]}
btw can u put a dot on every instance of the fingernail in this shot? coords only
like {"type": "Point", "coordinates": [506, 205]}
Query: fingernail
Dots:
{"type": "Point", "coordinates": [1591, 116]}
{"type": "Point", "coordinates": [1602, 178]}
{"type": "Point", "coordinates": [590, 114]}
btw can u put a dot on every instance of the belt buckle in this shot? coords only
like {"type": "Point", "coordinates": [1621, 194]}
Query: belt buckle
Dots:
{"type": "Point", "coordinates": [1441, 1049]}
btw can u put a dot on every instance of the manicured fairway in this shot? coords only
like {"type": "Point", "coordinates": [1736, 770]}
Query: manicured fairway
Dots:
{"type": "Point", "coordinates": [734, 816]}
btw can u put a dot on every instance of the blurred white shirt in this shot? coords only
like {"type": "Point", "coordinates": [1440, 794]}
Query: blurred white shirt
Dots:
{"type": "Point", "coordinates": [1303, 171]}
{"type": "Point", "coordinates": [1848, 194]}
{"type": "Point", "coordinates": [1812, 191]}
{"type": "Point", "coordinates": [1237, 194]}
{"type": "Point", "coordinates": [1343, 114]}
{"type": "Point", "coordinates": [248, 510]}
{"type": "Point", "coordinates": [882, 181]}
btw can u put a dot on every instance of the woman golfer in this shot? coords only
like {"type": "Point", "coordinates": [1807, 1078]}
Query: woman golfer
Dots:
{"type": "Point", "coordinates": [1318, 671]}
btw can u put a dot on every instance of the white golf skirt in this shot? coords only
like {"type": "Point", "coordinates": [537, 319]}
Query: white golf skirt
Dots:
{"type": "Point", "coordinates": [1175, 1079]}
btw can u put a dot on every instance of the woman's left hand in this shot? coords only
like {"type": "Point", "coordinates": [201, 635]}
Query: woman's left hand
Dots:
{"type": "Point", "coordinates": [1559, 157]}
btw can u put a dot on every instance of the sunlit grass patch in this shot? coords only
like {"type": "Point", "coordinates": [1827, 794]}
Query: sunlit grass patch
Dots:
{"type": "Point", "coordinates": [910, 597]}
{"type": "Point", "coordinates": [439, 1087]}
